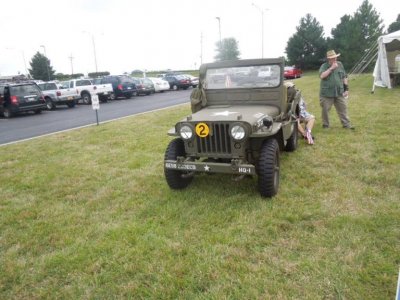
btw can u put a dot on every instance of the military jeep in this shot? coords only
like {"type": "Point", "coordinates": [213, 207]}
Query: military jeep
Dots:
{"type": "Point", "coordinates": [243, 115]}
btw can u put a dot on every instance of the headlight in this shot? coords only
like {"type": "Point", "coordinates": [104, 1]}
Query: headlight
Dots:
{"type": "Point", "coordinates": [186, 132]}
{"type": "Point", "coordinates": [238, 132]}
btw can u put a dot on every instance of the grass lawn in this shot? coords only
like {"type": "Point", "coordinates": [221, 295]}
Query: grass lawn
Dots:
{"type": "Point", "coordinates": [88, 214]}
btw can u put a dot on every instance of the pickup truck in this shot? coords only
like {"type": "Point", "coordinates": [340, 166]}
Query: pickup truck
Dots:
{"type": "Point", "coordinates": [104, 90]}
{"type": "Point", "coordinates": [86, 89]}
{"type": "Point", "coordinates": [56, 94]}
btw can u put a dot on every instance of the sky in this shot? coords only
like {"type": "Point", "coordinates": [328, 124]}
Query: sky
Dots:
{"type": "Point", "coordinates": [124, 35]}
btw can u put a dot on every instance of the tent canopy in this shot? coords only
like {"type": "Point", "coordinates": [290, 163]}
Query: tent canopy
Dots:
{"type": "Point", "coordinates": [388, 61]}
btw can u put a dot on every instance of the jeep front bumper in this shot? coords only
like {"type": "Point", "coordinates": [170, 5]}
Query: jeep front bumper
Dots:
{"type": "Point", "coordinates": [235, 167]}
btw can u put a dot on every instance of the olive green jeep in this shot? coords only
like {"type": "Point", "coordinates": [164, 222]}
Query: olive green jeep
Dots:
{"type": "Point", "coordinates": [243, 115]}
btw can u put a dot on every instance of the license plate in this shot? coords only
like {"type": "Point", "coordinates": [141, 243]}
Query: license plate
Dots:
{"type": "Point", "coordinates": [129, 88]}
{"type": "Point", "coordinates": [30, 99]}
{"type": "Point", "coordinates": [70, 98]}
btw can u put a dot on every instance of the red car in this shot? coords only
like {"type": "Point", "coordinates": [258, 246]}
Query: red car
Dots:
{"type": "Point", "coordinates": [292, 72]}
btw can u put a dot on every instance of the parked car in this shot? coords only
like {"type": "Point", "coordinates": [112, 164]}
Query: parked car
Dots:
{"type": "Point", "coordinates": [56, 94]}
{"type": "Point", "coordinates": [20, 97]}
{"type": "Point", "coordinates": [160, 85]}
{"type": "Point", "coordinates": [84, 87]}
{"type": "Point", "coordinates": [123, 86]}
{"type": "Point", "coordinates": [104, 90]}
{"type": "Point", "coordinates": [193, 79]}
{"type": "Point", "coordinates": [144, 86]}
{"type": "Point", "coordinates": [177, 82]}
{"type": "Point", "coordinates": [292, 72]}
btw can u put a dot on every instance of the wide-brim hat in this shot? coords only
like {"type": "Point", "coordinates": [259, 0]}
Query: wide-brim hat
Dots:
{"type": "Point", "coordinates": [332, 54]}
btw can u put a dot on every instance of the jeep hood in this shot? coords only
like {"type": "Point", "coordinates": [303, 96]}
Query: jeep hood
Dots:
{"type": "Point", "coordinates": [250, 114]}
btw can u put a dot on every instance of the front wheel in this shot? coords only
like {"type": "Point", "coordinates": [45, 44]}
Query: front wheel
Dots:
{"type": "Point", "coordinates": [7, 113]}
{"type": "Point", "coordinates": [86, 98]}
{"type": "Point", "coordinates": [50, 104]}
{"type": "Point", "coordinates": [268, 169]}
{"type": "Point", "coordinates": [176, 179]}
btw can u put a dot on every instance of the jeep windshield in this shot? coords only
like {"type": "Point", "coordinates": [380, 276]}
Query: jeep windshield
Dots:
{"type": "Point", "coordinates": [243, 77]}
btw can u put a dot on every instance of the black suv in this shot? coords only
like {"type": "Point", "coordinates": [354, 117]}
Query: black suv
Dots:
{"type": "Point", "coordinates": [20, 97]}
{"type": "Point", "coordinates": [123, 86]}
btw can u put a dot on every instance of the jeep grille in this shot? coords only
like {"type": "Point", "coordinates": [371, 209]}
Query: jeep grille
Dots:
{"type": "Point", "coordinates": [218, 142]}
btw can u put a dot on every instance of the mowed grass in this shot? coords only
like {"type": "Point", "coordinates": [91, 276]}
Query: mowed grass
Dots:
{"type": "Point", "coordinates": [88, 215]}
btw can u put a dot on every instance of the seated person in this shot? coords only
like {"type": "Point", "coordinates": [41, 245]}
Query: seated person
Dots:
{"type": "Point", "coordinates": [308, 119]}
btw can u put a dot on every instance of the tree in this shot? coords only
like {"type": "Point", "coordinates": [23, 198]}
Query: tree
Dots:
{"type": "Point", "coordinates": [41, 68]}
{"type": "Point", "coordinates": [370, 21]}
{"type": "Point", "coordinates": [136, 73]}
{"type": "Point", "coordinates": [227, 49]}
{"type": "Point", "coordinates": [355, 35]}
{"type": "Point", "coordinates": [62, 77]}
{"type": "Point", "coordinates": [306, 48]}
{"type": "Point", "coordinates": [98, 74]}
{"type": "Point", "coordinates": [345, 38]}
{"type": "Point", "coordinates": [395, 25]}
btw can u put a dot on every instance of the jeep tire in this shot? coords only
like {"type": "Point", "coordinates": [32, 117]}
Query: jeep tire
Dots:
{"type": "Point", "coordinates": [292, 142]}
{"type": "Point", "coordinates": [176, 179]}
{"type": "Point", "coordinates": [268, 168]}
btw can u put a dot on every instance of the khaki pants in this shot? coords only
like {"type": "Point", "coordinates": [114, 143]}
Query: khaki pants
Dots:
{"type": "Point", "coordinates": [340, 104]}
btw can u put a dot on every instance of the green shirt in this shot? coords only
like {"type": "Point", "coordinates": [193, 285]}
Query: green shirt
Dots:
{"type": "Point", "coordinates": [332, 86]}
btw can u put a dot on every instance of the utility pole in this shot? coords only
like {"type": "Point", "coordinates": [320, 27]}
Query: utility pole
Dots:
{"type": "Point", "coordinates": [72, 66]}
{"type": "Point", "coordinates": [262, 27]}
{"type": "Point", "coordinates": [47, 61]}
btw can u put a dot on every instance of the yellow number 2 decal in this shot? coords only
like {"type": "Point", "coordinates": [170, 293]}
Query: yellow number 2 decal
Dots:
{"type": "Point", "coordinates": [202, 130]}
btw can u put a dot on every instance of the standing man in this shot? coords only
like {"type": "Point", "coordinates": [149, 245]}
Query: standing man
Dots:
{"type": "Point", "coordinates": [334, 90]}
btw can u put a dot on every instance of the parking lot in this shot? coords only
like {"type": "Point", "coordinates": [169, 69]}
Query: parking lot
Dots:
{"type": "Point", "coordinates": [26, 126]}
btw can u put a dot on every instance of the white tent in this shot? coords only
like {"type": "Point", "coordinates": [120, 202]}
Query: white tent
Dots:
{"type": "Point", "coordinates": [388, 62]}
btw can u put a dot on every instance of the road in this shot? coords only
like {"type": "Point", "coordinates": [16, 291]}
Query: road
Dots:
{"type": "Point", "coordinates": [28, 125]}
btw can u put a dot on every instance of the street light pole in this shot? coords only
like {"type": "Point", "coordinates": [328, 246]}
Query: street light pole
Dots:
{"type": "Point", "coordinates": [47, 64]}
{"type": "Point", "coordinates": [219, 26]}
{"type": "Point", "coordinates": [262, 27]}
{"type": "Point", "coordinates": [94, 48]}
{"type": "Point", "coordinates": [94, 52]}
{"type": "Point", "coordinates": [23, 58]}
{"type": "Point", "coordinates": [72, 66]}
